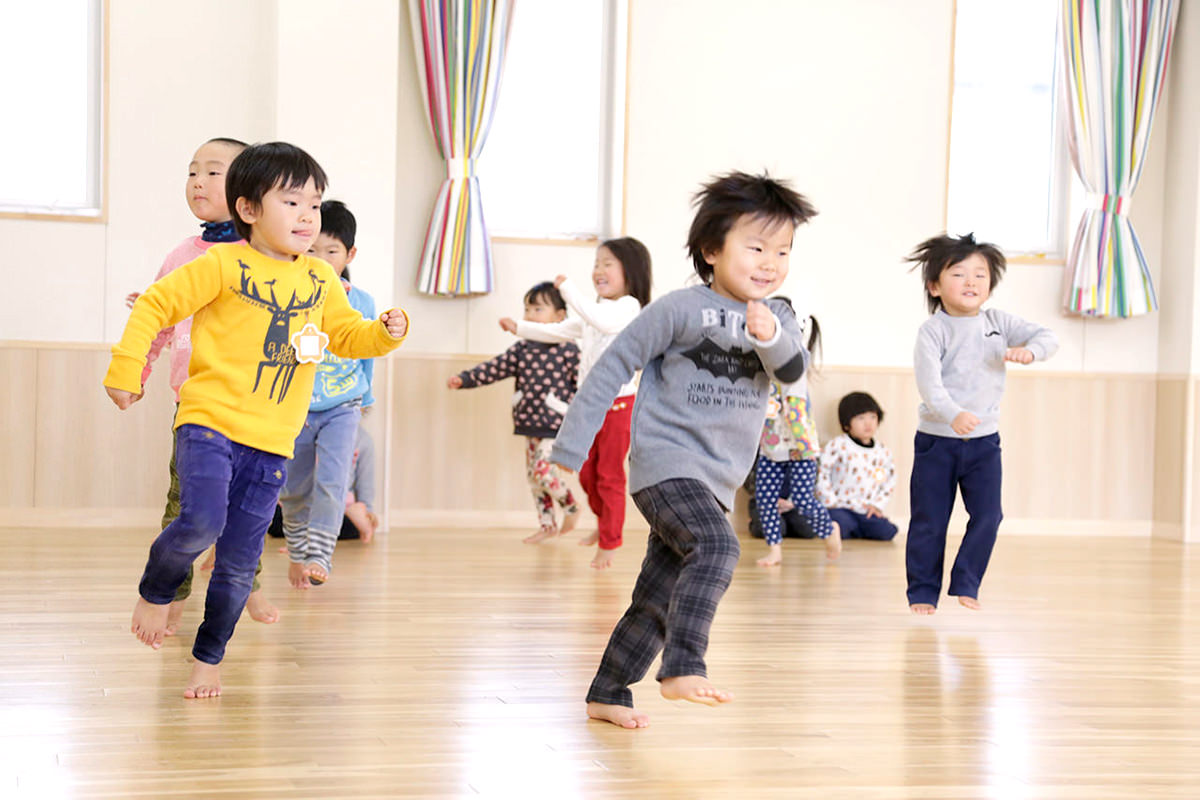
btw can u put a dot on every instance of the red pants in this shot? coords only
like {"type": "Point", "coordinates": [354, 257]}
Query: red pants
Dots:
{"type": "Point", "coordinates": [603, 474]}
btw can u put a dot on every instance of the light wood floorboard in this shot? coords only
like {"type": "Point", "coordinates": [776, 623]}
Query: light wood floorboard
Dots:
{"type": "Point", "coordinates": [453, 663]}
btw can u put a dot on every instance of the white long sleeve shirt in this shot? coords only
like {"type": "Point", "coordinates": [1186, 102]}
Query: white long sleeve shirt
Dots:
{"type": "Point", "coordinates": [854, 477]}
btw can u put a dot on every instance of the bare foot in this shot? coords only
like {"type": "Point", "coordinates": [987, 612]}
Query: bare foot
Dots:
{"type": "Point", "coordinates": [695, 689]}
{"type": "Point", "coordinates": [150, 622]}
{"type": "Point", "coordinates": [374, 520]}
{"type": "Point", "coordinates": [570, 520]}
{"type": "Point", "coordinates": [210, 560]}
{"type": "Point", "coordinates": [604, 558]}
{"type": "Point", "coordinates": [174, 617]}
{"type": "Point", "coordinates": [922, 608]}
{"type": "Point", "coordinates": [969, 602]}
{"type": "Point", "coordinates": [833, 543]}
{"type": "Point", "coordinates": [774, 556]}
{"type": "Point", "coordinates": [204, 682]}
{"type": "Point", "coordinates": [362, 518]}
{"type": "Point", "coordinates": [297, 576]}
{"type": "Point", "coordinates": [316, 573]}
{"type": "Point", "coordinates": [260, 608]}
{"type": "Point", "coordinates": [543, 533]}
{"type": "Point", "coordinates": [621, 716]}
{"type": "Point", "coordinates": [590, 539]}
{"type": "Point", "coordinates": [283, 549]}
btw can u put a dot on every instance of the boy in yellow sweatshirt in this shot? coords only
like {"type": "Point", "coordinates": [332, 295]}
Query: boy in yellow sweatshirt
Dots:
{"type": "Point", "coordinates": [264, 312]}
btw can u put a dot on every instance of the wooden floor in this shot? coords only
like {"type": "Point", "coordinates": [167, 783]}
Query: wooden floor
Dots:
{"type": "Point", "coordinates": [450, 664]}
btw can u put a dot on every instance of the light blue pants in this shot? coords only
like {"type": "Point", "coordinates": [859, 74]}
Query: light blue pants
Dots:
{"type": "Point", "coordinates": [314, 498]}
{"type": "Point", "coordinates": [362, 482]}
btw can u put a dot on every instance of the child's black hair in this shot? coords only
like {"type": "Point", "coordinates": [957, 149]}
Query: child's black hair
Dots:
{"type": "Point", "coordinates": [260, 168]}
{"type": "Point", "coordinates": [338, 222]}
{"type": "Point", "coordinates": [635, 263]}
{"type": "Point", "coordinates": [934, 256]}
{"type": "Point", "coordinates": [548, 292]}
{"type": "Point", "coordinates": [228, 140]}
{"type": "Point", "coordinates": [854, 404]}
{"type": "Point", "coordinates": [722, 201]}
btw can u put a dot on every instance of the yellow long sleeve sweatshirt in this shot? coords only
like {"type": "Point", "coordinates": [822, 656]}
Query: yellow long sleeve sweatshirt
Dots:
{"type": "Point", "coordinates": [243, 379]}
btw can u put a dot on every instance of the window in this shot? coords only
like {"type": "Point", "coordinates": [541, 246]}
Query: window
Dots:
{"type": "Point", "coordinates": [551, 165]}
{"type": "Point", "coordinates": [1009, 168]}
{"type": "Point", "coordinates": [50, 142]}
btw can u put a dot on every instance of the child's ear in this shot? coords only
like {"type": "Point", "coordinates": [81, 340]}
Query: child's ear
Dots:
{"type": "Point", "coordinates": [560, 314]}
{"type": "Point", "coordinates": [710, 256]}
{"type": "Point", "coordinates": [350, 254]}
{"type": "Point", "coordinates": [247, 211]}
{"type": "Point", "coordinates": [933, 289]}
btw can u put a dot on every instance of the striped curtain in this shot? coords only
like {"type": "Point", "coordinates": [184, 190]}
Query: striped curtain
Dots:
{"type": "Point", "coordinates": [1113, 64]}
{"type": "Point", "coordinates": [460, 47]}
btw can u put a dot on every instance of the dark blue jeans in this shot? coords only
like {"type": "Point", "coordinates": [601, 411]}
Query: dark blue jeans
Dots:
{"type": "Point", "coordinates": [941, 466]}
{"type": "Point", "coordinates": [859, 526]}
{"type": "Point", "coordinates": [227, 495]}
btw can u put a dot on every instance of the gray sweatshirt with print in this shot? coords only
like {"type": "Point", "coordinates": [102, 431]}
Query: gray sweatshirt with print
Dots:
{"type": "Point", "coordinates": [959, 364]}
{"type": "Point", "coordinates": [702, 398]}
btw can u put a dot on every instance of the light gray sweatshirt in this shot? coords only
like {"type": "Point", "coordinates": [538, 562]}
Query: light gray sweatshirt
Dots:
{"type": "Point", "coordinates": [702, 398]}
{"type": "Point", "coordinates": [959, 364]}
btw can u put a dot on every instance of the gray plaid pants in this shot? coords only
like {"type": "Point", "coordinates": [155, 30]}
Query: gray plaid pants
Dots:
{"type": "Point", "coordinates": [689, 562]}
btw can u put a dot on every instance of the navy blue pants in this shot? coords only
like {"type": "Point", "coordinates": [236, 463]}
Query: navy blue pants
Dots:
{"type": "Point", "coordinates": [859, 526]}
{"type": "Point", "coordinates": [227, 496]}
{"type": "Point", "coordinates": [941, 466]}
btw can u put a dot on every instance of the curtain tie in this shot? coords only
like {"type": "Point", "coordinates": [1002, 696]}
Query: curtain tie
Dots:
{"type": "Point", "coordinates": [1110, 203]}
{"type": "Point", "coordinates": [460, 168]}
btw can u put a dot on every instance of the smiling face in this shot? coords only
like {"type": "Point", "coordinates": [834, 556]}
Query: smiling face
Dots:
{"type": "Point", "coordinates": [205, 188]}
{"type": "Point", "coordinates": [964, 287]}
{"type": "Point", "coordinates": [286, 222]}
{"type": "Point", "coordinates": [753, 261]}
{"type": "Point", "coordinates": [333, 251]}
{"type": "Point", "coordinates": [608, 276]}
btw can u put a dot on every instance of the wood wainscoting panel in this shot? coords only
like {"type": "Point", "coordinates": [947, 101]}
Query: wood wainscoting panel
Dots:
{"type": "Point", "coordinates": [17, 423]}
{"type": "Point", "coordinates": [90, 453]}
{"type": "Point", "coordinates": [1169, 448]}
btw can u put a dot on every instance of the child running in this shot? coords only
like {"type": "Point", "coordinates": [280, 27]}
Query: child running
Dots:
{"type": "Point", "coordinates": [205, 193]}
{"type": "Point", "coordinates": [959, 362]}
{"type": "Point", "coordinates": [857, 472]}
{"type": "Point", "coordinates": [708, 354]}
{"type": "Point", "coordinates": [788, 451]}
{"type": "Point", "coordinates": [546, 376]}
{"type": "Point", "coordinates": [314, 497]}
{"type": "Point", "coordinates": [621, 277]}
{"type": "Point", "coordinates": [263, 313]}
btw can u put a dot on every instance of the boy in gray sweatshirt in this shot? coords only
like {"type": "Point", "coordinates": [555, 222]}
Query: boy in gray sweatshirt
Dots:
{"type": "Point", "coordinates": [706, 353]}
{"type": "Point", "coordinates": [960, 362]}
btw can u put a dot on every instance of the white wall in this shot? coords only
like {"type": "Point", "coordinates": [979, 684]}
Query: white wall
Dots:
{"type": "Point", "coordinates": [848, 100]}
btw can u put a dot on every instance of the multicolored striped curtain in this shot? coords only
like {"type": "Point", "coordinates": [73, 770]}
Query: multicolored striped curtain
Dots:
{"type": "Point", "coordinates": [1113, 64]}
{"type": "Point", "coordinates": [460, 47]}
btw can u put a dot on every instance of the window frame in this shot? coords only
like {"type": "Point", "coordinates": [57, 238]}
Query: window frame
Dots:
{"type": "Point", "coordinates": [98, 139]}
{"type": "Point", "coordinates": [1061, 178]}
{"type": "Point", "coordinates": [614, 138]}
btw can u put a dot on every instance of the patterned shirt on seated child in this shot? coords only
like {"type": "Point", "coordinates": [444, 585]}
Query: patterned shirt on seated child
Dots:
{"type": "Point", "coordinates": [857, 474]}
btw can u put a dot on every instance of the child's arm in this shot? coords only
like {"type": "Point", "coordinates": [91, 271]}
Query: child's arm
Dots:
{"type": "Point", "coordinates": [882, 491]}
{"type": "Point", "coordinates": [1027, 341]}
{"type": "Point", "coordinates": [351, 336]}
{"type": "Point", "coordinates": [829, 456]}
{"type": "Point", "coordinates": [927, 366]}
{"type": "Point", "coordinates": [608, 318]}
{"type": "Point", "coordinates": [643, 340]}
{"type": "Point", "coordinates": [776, 336]}
{"type": "Point", "coordinates": [367, 309]}
{"type": "Point", "coordinates": [496, 369]}
{"type": "Point", "coordinates": [172, 298]}
{"type": "Point", "coordinates": [569, 330]}
{"type": "Point", "coordinates": [166, 335]}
